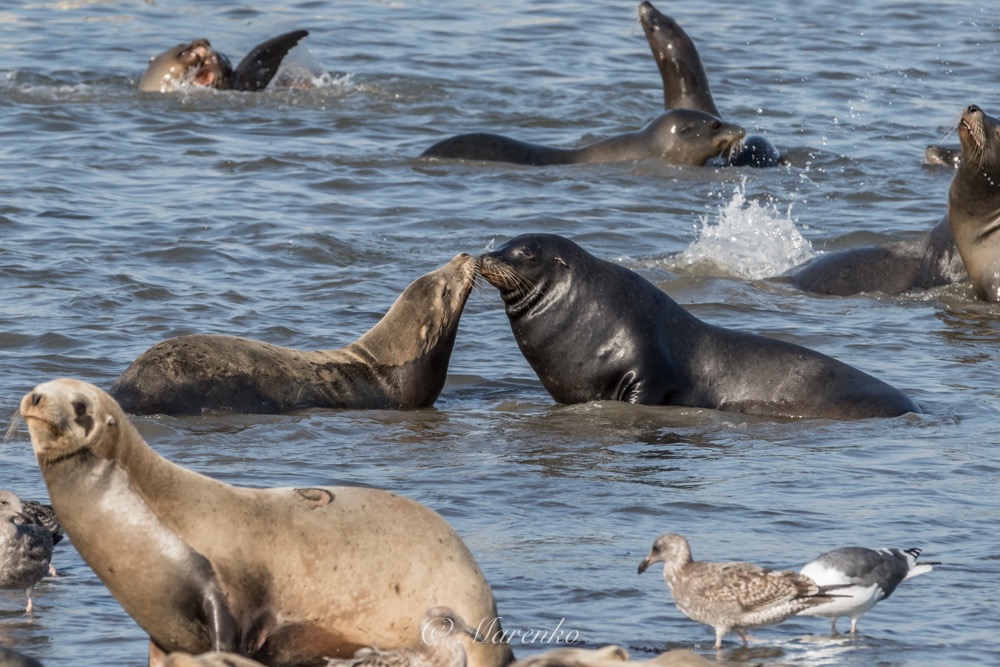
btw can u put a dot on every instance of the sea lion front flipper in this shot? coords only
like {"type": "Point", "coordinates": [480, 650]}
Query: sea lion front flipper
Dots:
{"type": "Point", "coordinates": [259, 66]}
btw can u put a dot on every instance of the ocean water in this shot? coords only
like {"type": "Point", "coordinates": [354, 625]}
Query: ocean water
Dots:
{"type": "Point", "coordinates": [297, 217]}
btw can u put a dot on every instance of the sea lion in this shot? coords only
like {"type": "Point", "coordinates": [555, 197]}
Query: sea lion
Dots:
{"type": "Point", "coordinates": [961, 246]}
{"type": "Point", "coordinates": [892, 268]}
{"type": "Point", "coordinates": [974, 201]}
{"type": "Point", "coordinates": [593, 330]}
{"type": "Point", "coordinates": [198, 64]}
{"type": "Point", "coordinates": [680, 136]}
{"type": "Point", "coordinates": [402, 362]}
{"type": "Point", "coordinates": [685, 84]}
{"type": "Point", "coordinates": [287, 577]}
{"type": "Point", "coordinates": [947, 156]}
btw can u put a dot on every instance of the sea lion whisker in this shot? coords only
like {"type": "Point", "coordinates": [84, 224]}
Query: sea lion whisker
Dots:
{"type": "Point", "coordinates": [14, 427]}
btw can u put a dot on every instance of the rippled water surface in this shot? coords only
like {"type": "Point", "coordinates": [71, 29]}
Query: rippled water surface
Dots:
{"type": "Point", "coordinates": [298, 216]}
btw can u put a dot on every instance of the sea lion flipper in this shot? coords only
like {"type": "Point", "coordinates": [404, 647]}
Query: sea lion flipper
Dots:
{"type": "Point", "coordinates": [259, 66]}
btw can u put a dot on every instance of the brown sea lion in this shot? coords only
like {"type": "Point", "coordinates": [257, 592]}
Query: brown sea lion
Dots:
{"type": "Point", "coordinates": [402, 362]}
{"type": "Point", "coordinates": [196, 63]}
{"type": "Point", "coordinates": [685, 84]}
{"type": "Point", "coordinates": [287, 577]}
{"type": "Point", "coordinates": [681, 136]}
{"type": "Point", "coordinates": [974, 201]}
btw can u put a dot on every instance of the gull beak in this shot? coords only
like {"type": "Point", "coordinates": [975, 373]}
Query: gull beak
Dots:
{"type": "Point", "coordinates": [644, 564]}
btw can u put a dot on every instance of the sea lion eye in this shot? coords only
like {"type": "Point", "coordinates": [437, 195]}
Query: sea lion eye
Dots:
{"type": "Point", "coordinates": [716, 125]}
{"type": "Point", "coordinates": [80, 408]}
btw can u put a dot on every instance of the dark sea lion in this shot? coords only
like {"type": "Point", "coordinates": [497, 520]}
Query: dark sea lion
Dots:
{"type": "Point", "coordinates": [11, 658]}
{"type": "Point", "coordinates": [681, 136]}
{"type": "Point", "coordinates": [947, 156]}
{"type": "Point", "coordinates": [402, 362]}
{"type": "Point", "coordinates": [593, 330]}
{"type": "Point", "coordinates": [287, 577]}
{"type": "Point", "coordinates": [198, 64]}
{"type": "Point", "coordinates": [893, 268]}
{"type": "Point", "coordinates": [685, 84]}
{"type": "Point", "coordinates": [974, 201]}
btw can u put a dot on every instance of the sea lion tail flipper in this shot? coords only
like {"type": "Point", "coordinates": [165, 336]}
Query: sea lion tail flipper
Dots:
{"type": "Point", "coordinates": [259, 66]}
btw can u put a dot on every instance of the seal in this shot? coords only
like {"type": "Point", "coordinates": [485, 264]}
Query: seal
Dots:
{"type": "Point", "coordinates": [685, 84]}
{"type": "Point", "coordinates": [402, 362]}
{"type": "Point", "coordinates": [679, 136]}
{"type": "Point", "coordinates": [961, 246]}
{"type": "Point", "coordinates": [974, 201]}
{"type": "Point", "coordinates": [928, 261]}
{"type": "Point", "coordinates": [946, 156]}
{"type": "Point", "coordinates": [284, 576]}
{"type": "Point", "coordinates": [196, 63]}
{"type": "Point", "coordinates": [593, 330]}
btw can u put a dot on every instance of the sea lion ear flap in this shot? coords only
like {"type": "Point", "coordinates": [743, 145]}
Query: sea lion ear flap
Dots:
{"type": "Point", "coordinates": [560, 260]}
{"type": "Point", "coordinates": [259, 66]}
{"type": "Point", "coordinates": [110, 422]}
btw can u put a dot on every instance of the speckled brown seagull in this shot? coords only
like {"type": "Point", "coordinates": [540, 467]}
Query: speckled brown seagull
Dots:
{"type": "Point", "coordinates": [730, 596]}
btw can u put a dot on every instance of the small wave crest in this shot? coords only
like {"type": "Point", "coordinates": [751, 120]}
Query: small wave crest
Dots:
{"type": "Point", "coordinates": [746, 239]}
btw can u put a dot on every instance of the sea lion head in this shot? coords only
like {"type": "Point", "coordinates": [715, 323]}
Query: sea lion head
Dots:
{"type": "Point", "coordinates": [980, 137]}
{"type": "Point", "coordinates": [527, 267]}
{"type": "Point", "coordinates": [431, 305]}
{"type": "Point", "coordinates": [69, 417]}
{"type": "Point", "coordinates": [689, 136]}
{"type": "Point", "coordinates": [195, 63]}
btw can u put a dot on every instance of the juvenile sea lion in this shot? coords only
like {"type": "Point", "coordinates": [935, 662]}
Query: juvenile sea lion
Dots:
{"type": "Point", "coordinates": [680, 136]}
{"type": "Point", "coordinates": [974, 201]}
{"type": "Point", "coordinates": [593, 330]}
{"type": "Point", "coordinates": [685, 84]}
{"type": "Point", "coordinates": [402, 362]}
{"type": "Point", "coordinates": [287, 577]}
{"type": "Point", "coordinates": [198, 64]}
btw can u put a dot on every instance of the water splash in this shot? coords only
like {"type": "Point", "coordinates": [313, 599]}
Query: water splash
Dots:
{"type": "Point", "coordinates": [747, 240]}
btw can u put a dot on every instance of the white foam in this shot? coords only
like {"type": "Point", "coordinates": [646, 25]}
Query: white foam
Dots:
{"type": "Point", "coordinates": [747, 240]}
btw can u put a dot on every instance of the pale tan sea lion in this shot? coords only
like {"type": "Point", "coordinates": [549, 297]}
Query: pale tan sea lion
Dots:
{"type": "Point", "coordinates": [402, 362]}
{"type": "Point", "coordinates": [284, 576]}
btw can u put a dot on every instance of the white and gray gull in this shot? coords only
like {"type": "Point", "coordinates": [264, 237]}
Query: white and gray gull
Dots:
{"type": "Point", "coordinates": [25, 547]}
{"type": "Point", "coordinates": [440, 628]}
{"type": "Point", "coordinates": [731, 596]}
{"type": "Point", "coordinates": [863, 578]}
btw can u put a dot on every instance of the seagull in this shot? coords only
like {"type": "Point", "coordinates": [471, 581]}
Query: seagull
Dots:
{"type": "Point", "coordinates": [439, 645]}
{"type": "Point", "coordinates": [25, 547]}
{"type": "Point", "coordinates": [863, 578]}
{"type": "Point", "coordinates": [730, 596]}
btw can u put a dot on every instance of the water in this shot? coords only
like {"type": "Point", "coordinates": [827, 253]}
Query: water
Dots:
{"type": "Point", "coordinates": [297, 217]}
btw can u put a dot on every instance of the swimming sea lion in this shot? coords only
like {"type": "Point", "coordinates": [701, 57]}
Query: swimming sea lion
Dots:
{"type": "Point", "coordinates": [287, 577]}
{"type": "Point", "coordinates": [961, 246]}
{"type": "Point", "coordinates": [685, 84]}
{"type": "Point", "coordinates": [974, 201]}
{"type": "Point", "coordinates": [402, 362]}
{"type": "Point", "coordinates": [198, 64]}
{"type": "Point", "coordinates": [891, 268]}
{"type": "Point", "coordinates": [593, 330]}
{"type": "Point", "coordinates": [681, 136]}
{"type": "Point", "coordinates": [943, 155]}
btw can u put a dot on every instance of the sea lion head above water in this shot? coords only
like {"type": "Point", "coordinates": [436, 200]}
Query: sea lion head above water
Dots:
{"type": "Point", "coordinates": [199, 65]}
{"type": "Point", "coordinates": [974, 201]}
